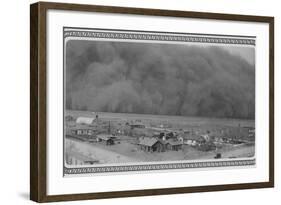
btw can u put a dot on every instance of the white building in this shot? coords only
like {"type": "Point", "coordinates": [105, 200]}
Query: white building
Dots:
{"type": "Point", "coordinates": [85, 120]}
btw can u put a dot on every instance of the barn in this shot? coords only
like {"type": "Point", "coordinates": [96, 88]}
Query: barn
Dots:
{"type": "Point", "coordinates": [85, 120]}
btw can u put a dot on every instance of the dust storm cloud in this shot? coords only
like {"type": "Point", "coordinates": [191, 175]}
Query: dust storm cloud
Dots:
{"type": "Point", "coordinates": [170, 79]}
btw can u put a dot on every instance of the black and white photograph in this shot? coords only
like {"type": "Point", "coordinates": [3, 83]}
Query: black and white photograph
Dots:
{"type": "Point", "coordinates": [144, 101]}
{"type": "Point", "coordinates": [136, 101]}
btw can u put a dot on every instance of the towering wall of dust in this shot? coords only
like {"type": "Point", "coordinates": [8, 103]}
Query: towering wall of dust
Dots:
{"type": "Point", "coordinates": [158, 79]}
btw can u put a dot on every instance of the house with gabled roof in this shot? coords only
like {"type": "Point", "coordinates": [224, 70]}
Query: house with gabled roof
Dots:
{"type": "Point", "coordinates": [150, 144]}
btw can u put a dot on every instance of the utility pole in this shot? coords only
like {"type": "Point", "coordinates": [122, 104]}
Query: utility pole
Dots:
{"type": "Point", "coordinates": [109, 129]}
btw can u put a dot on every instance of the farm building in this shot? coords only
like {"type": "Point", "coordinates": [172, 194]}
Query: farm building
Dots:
{"type": "Point", "coordinates": [174, 145]}
{"type": "Point", "coordinates": [106, 139]}
{"type": "Point", "coordinates": [137, 125]}
{"type": "Point", "coordinates": [85, 120]}
{"type": "Point", "coordinates": [80, 131]}
{"type": "Point", "coordinates": [193, 140]}
{"type": "Point", "coordinates": [84, 130]}
{"type": "Point", "coordinates": [158, 145]}
{"type": "Point", "coordinates": [151, 144]}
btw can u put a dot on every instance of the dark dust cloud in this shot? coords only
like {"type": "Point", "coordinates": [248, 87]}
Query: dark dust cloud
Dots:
{"type": "Point", "coordinates": [167, 79]}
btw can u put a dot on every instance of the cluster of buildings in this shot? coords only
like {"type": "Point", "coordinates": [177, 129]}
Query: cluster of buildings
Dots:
{"type": "Point", "coordinates": [231, 135]}
{"type": "Point", "coordinates": [156, 139]}
{"type": "Point", "coordinates": [170, 141]}
{"type": "Point", "coordinates": [203, 140]}
{"type": "Point", "coordinates": [149, 144]}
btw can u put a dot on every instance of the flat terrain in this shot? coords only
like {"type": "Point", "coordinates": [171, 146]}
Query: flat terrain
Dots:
{"type": "Point", "coordinates": [175, 121]}
{"type": "Point", "coordinates": [126, 150]}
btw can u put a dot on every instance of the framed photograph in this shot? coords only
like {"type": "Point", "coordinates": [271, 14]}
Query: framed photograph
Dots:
{"type": "Point", "coordinates": [134, 102]}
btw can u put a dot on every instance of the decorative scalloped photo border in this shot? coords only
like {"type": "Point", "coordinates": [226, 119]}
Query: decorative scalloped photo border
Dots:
{"type": "Point", "coordinates": [151, 167]}
{"type": "Point", "coordinates": [194, 38]}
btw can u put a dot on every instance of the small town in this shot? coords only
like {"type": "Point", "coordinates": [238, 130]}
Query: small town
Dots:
{"type": "Point", "coordinates": [108, 138]}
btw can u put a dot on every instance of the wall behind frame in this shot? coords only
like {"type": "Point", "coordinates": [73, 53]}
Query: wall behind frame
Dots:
{"type": "Point", "coordinates": [14, 104]}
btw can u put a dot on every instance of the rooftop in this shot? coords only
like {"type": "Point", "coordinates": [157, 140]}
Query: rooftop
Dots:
{"type": "Point", "coordinates": [105, 136]}
{"type": "Point", "coordinates": [85, 120]}
{"type": "Point", "coordinates": [173, 142]}
{"type": "Point", "coordinates": [147, 141]}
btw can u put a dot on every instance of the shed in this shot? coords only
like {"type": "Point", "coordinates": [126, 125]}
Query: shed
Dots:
{"type": "Point", "coordinates": [106, 139]}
